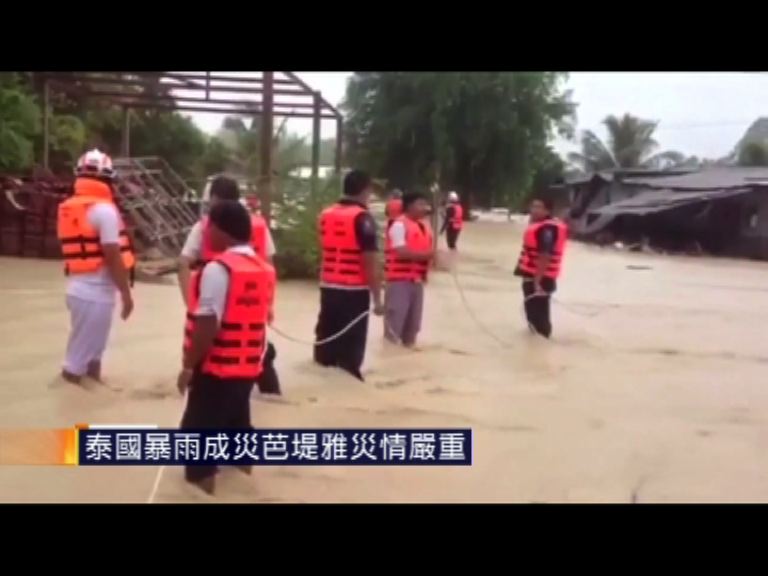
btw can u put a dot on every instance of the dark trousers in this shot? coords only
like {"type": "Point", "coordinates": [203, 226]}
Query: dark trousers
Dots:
{"type": "Point", "coordinates": [218, 404]}
{"type": "Point", "coordinates": [337, 309]}
{"type": "Point", "coordinates": [451, 237]}
{"type": "Point", "coordinates": [537, 308]}
{"type": "Point", "coordinates": [268, 381]}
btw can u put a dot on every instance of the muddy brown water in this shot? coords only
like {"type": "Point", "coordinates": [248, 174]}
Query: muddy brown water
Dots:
{"type": "Point", "coordinates": [652, 390]}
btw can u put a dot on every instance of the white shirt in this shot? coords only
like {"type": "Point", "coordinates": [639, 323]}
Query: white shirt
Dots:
{"type": "Point", "coordinates": [397, 234]}
{"type": "Point", "coordinates": [194, 244]}
{"type": "Point", "coordinates": [98, 286]}
{"type": "Point", "coordinates": [214, 285]}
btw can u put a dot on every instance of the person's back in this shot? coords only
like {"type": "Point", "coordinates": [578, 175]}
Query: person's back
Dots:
{"type": "Point", "coordinates": [99, 221]}
{"type": "Point", "coordinates": [349, 276]}
{"type": "Point", "coordinates": [98, 261]}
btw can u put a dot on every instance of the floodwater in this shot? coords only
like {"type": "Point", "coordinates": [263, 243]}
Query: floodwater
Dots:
{"type": "Point", "coordinates": [653, 388]}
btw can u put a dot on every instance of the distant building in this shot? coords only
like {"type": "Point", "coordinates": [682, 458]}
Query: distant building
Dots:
{"type": "Point", "coordinates": [587, 193]}
{"type": "Point", "coordinates": [305, 172]}
{"type": "Point", "coordinates": [721, 210]}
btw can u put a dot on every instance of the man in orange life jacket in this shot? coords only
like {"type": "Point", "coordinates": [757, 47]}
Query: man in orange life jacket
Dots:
{"type": "Point", "coordinates": [225, 332]}
{"type": "Point", "coordinates": [349, 275]}
{"type": "Point", "coordinates": [408, 252]}
{"type": "Point", "coordinates": [394, 206]}
{"type": "Point", "coordinates": [98, 261]}
{"type": "Point", "coordinates": [540, 263]}
{"type": "Point", "coordinates": [454, 220]}
{"type": "Point", "coordinates": [197, 251]}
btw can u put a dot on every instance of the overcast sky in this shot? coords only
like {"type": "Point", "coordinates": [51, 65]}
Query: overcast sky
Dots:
{"type": "Point", "coordinates": [702, 114]}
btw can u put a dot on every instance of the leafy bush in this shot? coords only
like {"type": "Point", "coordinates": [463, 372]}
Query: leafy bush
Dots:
{"type": "Point", "coordinates": [753, 154]}
{"type": "Point", "coordinates": [296, 214]}
{"type": "Point", "coordinates": [19, 124]}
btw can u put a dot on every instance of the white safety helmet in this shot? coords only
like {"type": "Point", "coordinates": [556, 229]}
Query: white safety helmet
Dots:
{"type": "Point", "coordinates": [453, 197]}
{"type": "Point", "coordinates": [95, 163]}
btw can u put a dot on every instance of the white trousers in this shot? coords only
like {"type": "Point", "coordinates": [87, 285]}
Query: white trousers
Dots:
{"type": "Point", "coordinates": [90, 325]}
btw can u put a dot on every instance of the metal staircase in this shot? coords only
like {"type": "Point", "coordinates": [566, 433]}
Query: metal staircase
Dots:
{"type": "Point", "coordinates": [153, 197]}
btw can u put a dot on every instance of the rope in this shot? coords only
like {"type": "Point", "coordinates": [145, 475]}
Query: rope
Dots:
{"type": "Point", "coordinates": [526, 299]}
{"type": "Point", "coordinates": [471, 313]}
{"type": "Point", "coordinates": [331, 338]}
{"type": "Point", "coordinates": [568, 307]}
{"type": "Point", "coordinates": [397, 340]}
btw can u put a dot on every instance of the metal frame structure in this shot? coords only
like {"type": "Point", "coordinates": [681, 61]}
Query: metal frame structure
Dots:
{"type": "Point", "coordinates": [264, 94]}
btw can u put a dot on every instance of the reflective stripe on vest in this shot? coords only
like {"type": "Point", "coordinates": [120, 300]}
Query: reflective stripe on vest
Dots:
{"type": "Point", "coordinates": [530, 252]}
{"type": "Point", "coordinates": [239, 345]}
{"type": "Point", "coordinates": [394, 208]}
{"type": "Point", "coordinates": [417, 239]}
{"type": "Point", "coordinates": [258, 239]}
{"type": "Point", "coordinates": [457, 220]}
{"type": "Point", "coordinates": [80, 242]}
{"type": "Point", "coordinates": [341, 260]}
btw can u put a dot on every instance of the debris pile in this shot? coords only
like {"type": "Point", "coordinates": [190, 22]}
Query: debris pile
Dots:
{"type": "Point", "coordinates": [28, 209]}
{"type": "Point", "coordinates": [150, 197]}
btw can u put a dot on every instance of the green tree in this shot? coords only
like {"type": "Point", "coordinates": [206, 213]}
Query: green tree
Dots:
{"type": "Point", "coordinates": [244, 143]}
{"type": "Point", "coordinates": [167, 134]}
{"type": "Point", "coordinates": [67, 141]}
{"type": "Point", "coordinates": [551, 171]}
{"type": "Point", "coordinates": [171, 136]}
{"type": "Point", "coordinates": [483, 134]}
{"type": "Point", "coordinates": [19, 124]}
{"type": "Point", "coordinates": [630, 144]}
{"type": "Point", "coordinates": [753, 154]}
{"type": "Point", "coordinates": [216, 157]}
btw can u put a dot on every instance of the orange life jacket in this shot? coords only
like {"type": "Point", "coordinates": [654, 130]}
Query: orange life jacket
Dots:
{"type": "Point", "coordinates": [417, 239]}
{"type": "Point", "coordinates": [457, 220]}
{"type": "Point", "coordinates": [530, 252]}
{"type": "Point", "coordinates": [258, 239]}
{"type": "Point", "coordinates": [394, 208]}
{"type": "Point", "coordinates": [80, 243]}
{"type": "Point", "coordinates": [342, 259]}
{"type": "Point", "coordinates": [238, 349]}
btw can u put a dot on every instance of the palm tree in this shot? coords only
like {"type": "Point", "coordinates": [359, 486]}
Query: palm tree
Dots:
{"type": "Point", "coordinates": [244, 143]}
{"type": "Point", "coordinates": [630, 145]}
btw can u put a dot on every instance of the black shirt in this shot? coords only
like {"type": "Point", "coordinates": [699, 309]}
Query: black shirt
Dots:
{"type": "Point", "coordinates": [546, 236]}
{"type": "Point", "coordinates": [365, 227]}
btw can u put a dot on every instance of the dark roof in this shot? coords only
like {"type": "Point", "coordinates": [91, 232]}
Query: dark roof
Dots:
{"type": "Point", "coordinates": [655, 201]}
{"type": "Point", "coordinates": [587, 178]}
{"type": "Point", "coordinates": [625, 173]}
{"type": "Point", "coordinates": [723, 177]}
{"type": "Point", "coordinates": [652, 201]}
{"type": "Point", "coordinates": [557, 189]}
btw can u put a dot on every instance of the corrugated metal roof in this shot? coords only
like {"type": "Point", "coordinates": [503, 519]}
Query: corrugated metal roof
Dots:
{"type": "Point", "coordinates": [711, 179]}
{"type": "Point", "coordinates": [586, 179]}
{"type": "Point", "coordinates": [626, 173]}
{"type": "Point", "coordinates": [652, 201]}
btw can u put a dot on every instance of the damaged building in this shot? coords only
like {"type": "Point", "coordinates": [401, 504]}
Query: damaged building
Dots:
{"type": "Point", "coordinates": [721, 211]}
